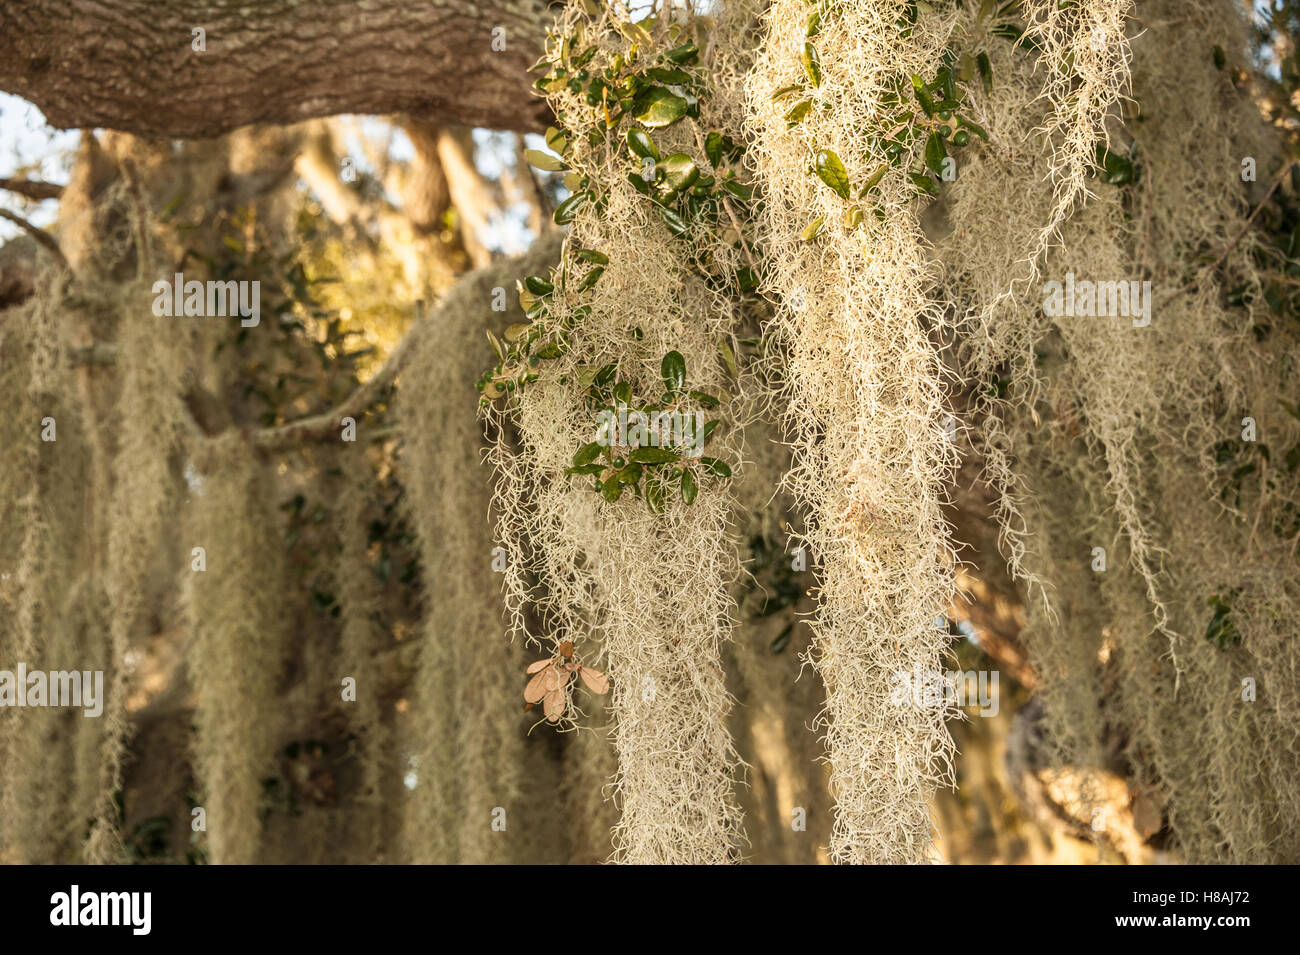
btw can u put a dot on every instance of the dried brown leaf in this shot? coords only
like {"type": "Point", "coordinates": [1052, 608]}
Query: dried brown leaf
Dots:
{"type": "Point", "coordinates": [554, 704]}
{"type": "Point", "coordinates": [538, 687]}
{"type": "Point", "coordinates": [596, 681]}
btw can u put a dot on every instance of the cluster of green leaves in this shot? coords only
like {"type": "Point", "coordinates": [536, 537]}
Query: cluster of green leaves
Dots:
{"type": "Point", "coordinates": [650, 472]}
{"type": "Point", "coordinates": [646, 92]}
{"type": "Point", "coordinates": [545, 336]}
{"type": "Point", "coordinates": [924, 122]}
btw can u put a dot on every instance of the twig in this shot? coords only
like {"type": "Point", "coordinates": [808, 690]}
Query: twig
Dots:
{"type": "Point", "coordinates": [39, 234]}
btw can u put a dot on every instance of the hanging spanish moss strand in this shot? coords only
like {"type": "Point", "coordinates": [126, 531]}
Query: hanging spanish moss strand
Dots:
{"type": "Point", "coordinates": [359, 603]}
{"type": "Point", "coordinates": [233, 618]}
{"type": "Point", "coordinates": [469, 747]}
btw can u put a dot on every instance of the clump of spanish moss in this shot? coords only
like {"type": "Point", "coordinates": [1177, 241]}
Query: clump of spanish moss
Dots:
{"type": "Point", "coordinates": [865, 402]}
{"type": "Point", "coordinates": [637, 577]}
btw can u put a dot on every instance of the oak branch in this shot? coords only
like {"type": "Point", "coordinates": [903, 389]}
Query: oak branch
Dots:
{"type": "Point", "coordinates": [181, 70]}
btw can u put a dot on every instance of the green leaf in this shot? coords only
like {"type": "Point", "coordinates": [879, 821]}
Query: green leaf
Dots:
{"type": "Point", "coordinates": [544, 161]}
{"type": "Point", "coordinates": [594, 257]}
{"type": "Point", "coordinates": [680, 171]}
{"type": "Point", "coordinates": [683, 54]}
{"type": "Point", "coordinates": [654, 494]}
{"type": "Point", "coordinates": [567, 210]}
{"type": "Point", "coordinates": [705, 399]}
{"type": "Point", "coordinates": [922, 95]}
{"type": "Point", "coordinates": [690, 487]}
{"type": "Point", "coordinates": [670, 76]}
{"type": "Point", "coordinates": [611, 490]}
{"type": "Point", "coordinates": [1116, 169]}
{"type": "Point", "coordinates": [986, 72]}
{"type": "Point", "coordinates": [556, 141]}
{"type": "Point", "coordinates": [738, 189]}
{"type": "Point", "coordinates": [814, 23]}
{"type": "Point", "coordinates": [639, 141]}
{"type": "Point", "coordinates": [655, 456]}
{"type": "Point", "coordinates": [923, 183]}
{"type": "Point", "coordinates": [538, 285]}
{"type": "Point", "coordinates": [676, 224]}
{"type": "Point", "coordinates": [728, 357]}
{"type": "Point", "coordinates": [714, 466]}
{"type": "Point", "coordinates": [587, 469]}
{"type": "Point", "coordinates": [587, 453]}
{"type": "Point", "coordinates": [795, 114]}
{"type": "Point", "coordinates": [812, 64]}
{"type": "Point", "coordinates": [785, 91]}
{"type": "Point", "coordinates": [874, 181]}
{"type": "Point", "coordinates": [831, 171]}
{"type": "Point", "coordinates": [974, 127]}
{"type": "Point", "coordinates": [935, 153]}
{"type": "Point", "coordinates": [659, 107]}
{"type": "Point", "coordinates": [813, 229]}
{"type": "Point", "coordinates": [673, 370]}
{"type": "Point", "coordinates": [713, 148]}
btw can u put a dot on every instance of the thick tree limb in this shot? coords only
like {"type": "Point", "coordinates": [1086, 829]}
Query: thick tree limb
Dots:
{"type": "Point", "coordinates": [130, 64]}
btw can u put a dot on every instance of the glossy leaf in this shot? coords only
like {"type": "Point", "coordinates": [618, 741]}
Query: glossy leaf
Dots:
{"type": "Point", "coordinates": [673, 370]}
{"type": "Point", "coordinates": [812, 64]}
{"type": "Point", "coordinates": [832, 172]}
{"type": "Point", "coordinates": [660, 107]}
{"type": "Point", "coordinates": [639, 141]}
{"type": "Point", "coordinates": [690, 487]}
{"type": "Point", "coordinates": [680, 171]}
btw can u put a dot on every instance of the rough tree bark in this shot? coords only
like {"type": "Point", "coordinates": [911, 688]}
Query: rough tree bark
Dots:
{"type": "Point", "coordinates": [130, 64]}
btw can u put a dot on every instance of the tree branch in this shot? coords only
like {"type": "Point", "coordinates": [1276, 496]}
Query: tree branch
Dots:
{"type": "Point", "coordinates": [39, 234]}
{"type": "Point", "coordinates": [133, 65]}
{"type": "Point", "coordinates": [32, 189]}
